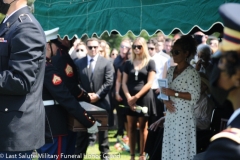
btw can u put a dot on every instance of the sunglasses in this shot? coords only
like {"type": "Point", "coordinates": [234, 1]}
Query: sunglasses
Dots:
{"type": "Point", "coordinates": [91, 47]}
{"type": "Point", "coordinates": [79, 50]}
{"type": "Point", "coordinates": [175, 52]}
{"type": "Point", "coordinates": [122, 46]}
{"type": "Point", "coordinates": [136, 46]}
{"type": "Point", "coordinates": [150, 48]}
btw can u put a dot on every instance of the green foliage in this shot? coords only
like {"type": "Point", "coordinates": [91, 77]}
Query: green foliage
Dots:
{"type": "Point", "coordinates": [1, 17]}
{"type": "Point", "coordinates": [30, 2]}
{"type": "Point", "coordinates": [114, 40]}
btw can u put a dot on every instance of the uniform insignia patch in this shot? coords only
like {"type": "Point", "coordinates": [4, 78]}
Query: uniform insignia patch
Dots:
{"type": "Point", "coordinates": [69, 70]}
{"type": "Point", "coordinates": [56, 80]}
{"type": "Point", "coordinates": [3, 40]}
{"type": "Point", "coordinates": [229, 133]}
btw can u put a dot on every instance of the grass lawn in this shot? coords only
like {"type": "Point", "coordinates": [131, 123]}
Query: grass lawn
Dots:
{"type": "Point", "coordinates": [114, 153]}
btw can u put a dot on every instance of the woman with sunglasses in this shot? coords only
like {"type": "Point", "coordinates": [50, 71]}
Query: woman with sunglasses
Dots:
{"type": "Point", "coordinates": [121, 101]}
{"type": "Point", "coordinates": [137, 80]}
{"type": "Point", "coordinates": [114, 54]}
{"type": "Point", "coordinates": [179, 139]}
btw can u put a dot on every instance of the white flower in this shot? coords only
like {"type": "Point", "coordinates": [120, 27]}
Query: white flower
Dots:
{"type": "Point", "coordinates": [143, 109]}
{"type": "Point", "coordinates": [138, 109]}
{"type": "Point", "coordinates": [192, 62]}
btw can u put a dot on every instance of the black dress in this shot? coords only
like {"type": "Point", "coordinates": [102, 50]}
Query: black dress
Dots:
{"type": "Point", "coordinates": [136, 83]}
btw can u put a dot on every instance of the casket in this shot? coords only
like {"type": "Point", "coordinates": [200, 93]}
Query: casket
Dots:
{"type": "Point", "coordinates": [99, 114]}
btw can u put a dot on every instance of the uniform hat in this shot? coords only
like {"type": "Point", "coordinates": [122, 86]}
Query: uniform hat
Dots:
{"type": "Point", "coordinates": [230, 14]}
{"type": "Point", "coordinates": [52, 36]}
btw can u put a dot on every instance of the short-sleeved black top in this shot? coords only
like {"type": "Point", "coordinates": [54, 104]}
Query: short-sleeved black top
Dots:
{"type": "Point", "coordinates": [134, 85]}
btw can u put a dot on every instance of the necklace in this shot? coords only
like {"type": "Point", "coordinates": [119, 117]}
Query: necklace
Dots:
{"type": "Point", "coordinates": [137, 66]}
{"type": "Point", "coordinates": [136, 75]}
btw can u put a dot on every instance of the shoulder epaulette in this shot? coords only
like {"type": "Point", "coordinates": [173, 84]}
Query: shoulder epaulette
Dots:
{"type": "Point", "coordinates": [24, 17]}
{"type": "Point", "coordinates": [229, 133]}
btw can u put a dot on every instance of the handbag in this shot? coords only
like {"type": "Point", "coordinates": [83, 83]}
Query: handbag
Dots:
{"type": "Point", "coordinates": [203, 112]}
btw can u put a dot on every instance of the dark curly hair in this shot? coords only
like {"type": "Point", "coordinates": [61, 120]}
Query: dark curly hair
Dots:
{"type": "Point", "coordinates": [187, 43]}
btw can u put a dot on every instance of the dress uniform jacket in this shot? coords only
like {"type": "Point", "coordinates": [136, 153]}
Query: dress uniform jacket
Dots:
{"type": "Point", "coordinates": [22, 60]}
{"type": "Point", "coordinates": [68, 71]}
{"type": "Point", "coordinates": [22, 57]}
{"type": "Point", "coordinates": [226, 144]}
{"type": "Point", "coordinates": [59, 102]}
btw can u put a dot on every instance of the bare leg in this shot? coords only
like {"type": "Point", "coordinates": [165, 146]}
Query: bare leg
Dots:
{"type": "Point", "coordinates": [143, 135]}
{"type": "Point", "coordinates": [132, 134]}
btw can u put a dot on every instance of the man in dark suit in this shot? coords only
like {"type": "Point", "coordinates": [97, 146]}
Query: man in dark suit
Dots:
{"type": "Point", "coordinates": [22, 57]}
{"type": "Point", "coordinates": [226, 85]}
{"type": "Point", "coordinates": [96, 77]}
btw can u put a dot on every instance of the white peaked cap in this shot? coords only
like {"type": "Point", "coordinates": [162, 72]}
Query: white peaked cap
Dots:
{"type": "Point", "coordinates": [51, 34]}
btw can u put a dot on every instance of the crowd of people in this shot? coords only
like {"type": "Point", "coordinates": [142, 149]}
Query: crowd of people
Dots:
{"type": "Point", "coordinates": [185, 61]}
{"type": "Point", "coordinates": [43, 78]}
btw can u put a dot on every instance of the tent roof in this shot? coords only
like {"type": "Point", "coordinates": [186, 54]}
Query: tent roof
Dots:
{"type": "Point", "coordinates": [88, 17]}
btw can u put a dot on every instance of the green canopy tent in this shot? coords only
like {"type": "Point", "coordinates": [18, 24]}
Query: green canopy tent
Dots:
{"type": "Point", "coordinates": [88, 17]}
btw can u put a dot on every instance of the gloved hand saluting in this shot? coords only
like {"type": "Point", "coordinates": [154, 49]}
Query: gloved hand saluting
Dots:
{"type": "Point", "coordinates": [94, 128]}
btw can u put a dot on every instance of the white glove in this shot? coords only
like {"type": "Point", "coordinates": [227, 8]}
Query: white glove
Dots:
{"type": "Point", "coordinates": [94, 128]}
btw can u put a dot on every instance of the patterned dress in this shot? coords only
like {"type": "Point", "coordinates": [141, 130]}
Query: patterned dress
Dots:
{"type": "Point", "coordinates": [179, 139]}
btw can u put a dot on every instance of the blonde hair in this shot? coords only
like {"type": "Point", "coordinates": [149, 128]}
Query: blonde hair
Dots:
{"type": "Point", "coordinates": [145, 55]}
{"type": "Point", "coordinates": [105, 47]}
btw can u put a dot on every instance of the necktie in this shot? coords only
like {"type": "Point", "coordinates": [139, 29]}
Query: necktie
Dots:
{"type": "Point", "coordinates": [90, 69]}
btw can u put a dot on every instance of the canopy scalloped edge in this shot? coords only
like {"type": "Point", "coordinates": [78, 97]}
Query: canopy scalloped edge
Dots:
{"type": "Point", "coordinates": [158, 30]}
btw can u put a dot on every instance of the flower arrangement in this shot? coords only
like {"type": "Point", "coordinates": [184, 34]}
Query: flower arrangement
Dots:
{"type": "Point", "coordinates": [139, 109]}
{"type": "Point", "coordinates": [121, 144]}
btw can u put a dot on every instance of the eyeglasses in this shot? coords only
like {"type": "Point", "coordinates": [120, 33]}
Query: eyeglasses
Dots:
{"type": "Point", "coordinates": [91, 47]}
{"type": "Point", "coordinates": [136, 46]}
{"type": "Point", "coordinates": [80, 50]}
{"type": "Point", "coordinates": [122, 46]}
{"type": "Point", "coordinates": [175, 52]}
{"type": "Point", "coordinates": [150, 48]}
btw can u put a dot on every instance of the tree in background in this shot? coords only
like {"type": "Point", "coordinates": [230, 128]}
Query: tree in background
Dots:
{"type": "Point", "coordinates": [1, 17]}
{"type": "Point", "coordinates": [115, 39]}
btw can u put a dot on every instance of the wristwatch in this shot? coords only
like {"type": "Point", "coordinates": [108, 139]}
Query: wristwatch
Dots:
{"type": "Point", "coordinates": [176, 94]}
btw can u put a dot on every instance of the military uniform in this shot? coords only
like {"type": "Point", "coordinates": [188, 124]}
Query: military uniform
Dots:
{"type": "Point", "coordinates": [67, 69]}
{"type": "Point", "coordinates": [58, 102]}
{"type": "Point", "coordinates": [22, 57]}
{"type": "Point", "coordinates": [226, 144]}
